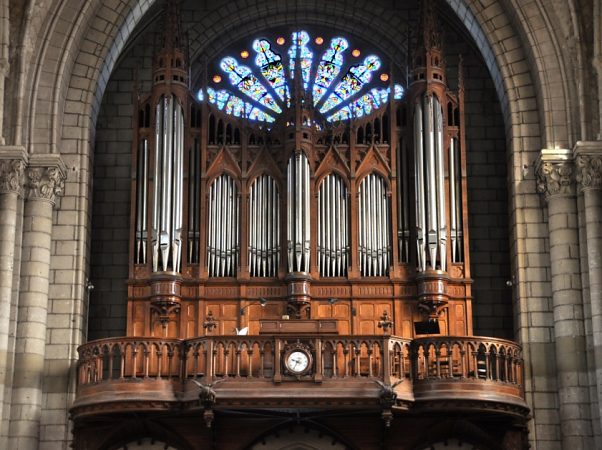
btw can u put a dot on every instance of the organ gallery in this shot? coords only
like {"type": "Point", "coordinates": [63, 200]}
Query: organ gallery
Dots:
{"type": "Point", "coordinates": [299, 254]}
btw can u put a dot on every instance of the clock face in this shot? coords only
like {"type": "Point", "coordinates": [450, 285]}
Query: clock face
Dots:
{"type": "Point", "coordinates": [297, 361]}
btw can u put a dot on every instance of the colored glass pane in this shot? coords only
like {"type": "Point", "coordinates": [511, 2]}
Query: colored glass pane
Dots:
{"type": "Point", "coordinates": [352, 83]}
{"type": "Point", "coordinates": [398, 95]}
{"type": "Point", "coordinates": [235, 106]}
{"type": "Point", "coordinates": [299, 48]}
{"type": "Point", "coordinates": [329, 67]}
{"type": "Point", "coordinates": [248, 84]}
{"type": "Point", "coordinates": [271, 67]}
{"type": "Point", "coordinates": [341, 114]}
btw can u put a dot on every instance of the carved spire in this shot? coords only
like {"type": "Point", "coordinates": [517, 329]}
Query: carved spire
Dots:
{"type": "Point", "coordinates": [427, 60]}
{"type": "Point", "coordinates": [171, 60]}
{"type": "Point", "coordinates": [172, 37]}
{"type": "Point", "coordinates": [427, 28]}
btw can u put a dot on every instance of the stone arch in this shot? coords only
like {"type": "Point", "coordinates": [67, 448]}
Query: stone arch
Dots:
{"type": "Point", "coordinates": [72, 68]}
{"type": "Point", "coordinates": [298, 437]}
{"type": "Point", "coordinates": [83, 69]}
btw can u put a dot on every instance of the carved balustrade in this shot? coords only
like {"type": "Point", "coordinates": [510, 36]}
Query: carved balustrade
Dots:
{"type": "Point", "coordinates": [235, 357]}
{"type": "Point", "coordinates": [432, 369]}
{"type": "Point", "coordinates": [469, 368]}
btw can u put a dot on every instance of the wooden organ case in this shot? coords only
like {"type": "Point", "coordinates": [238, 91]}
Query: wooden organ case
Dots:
{"type": "Point", "coordinates": [234, 222]}
{"type": "Point", "coordinates": [335, 245]}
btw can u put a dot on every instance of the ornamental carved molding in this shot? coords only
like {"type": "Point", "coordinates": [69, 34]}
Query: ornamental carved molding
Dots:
{"type": "Point", "coordinates": [556, 178]}
{"type": "Point", "coordinates": [589, 171]}
{"type": "Point", "coordinates": [11, 175]}
{"type": "Point", "coordinates": [45, 183]}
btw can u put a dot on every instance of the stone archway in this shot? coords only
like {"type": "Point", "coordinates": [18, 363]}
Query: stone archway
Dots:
{"type": "Point", "coordinates": [298, 437]}
{"type": "Point", "coordinates": [145, 444]}
{"type": "Point", "coordinates": [451, 444]}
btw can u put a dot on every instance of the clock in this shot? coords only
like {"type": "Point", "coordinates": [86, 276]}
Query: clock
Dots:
{"type": "Point", "coordinates": [298, 361]}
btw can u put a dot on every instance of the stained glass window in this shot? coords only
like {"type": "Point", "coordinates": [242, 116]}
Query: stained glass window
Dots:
{"type": "Point", "coordinates": [338, 88]}
{"type": "Point", "coordinates": [352, 82]}
{"type": "Point", "coordinates": [299, 48]}
{"type": "Point", "coordinates": [247, 83]}
{"type": "Point", "coordinates": [235, 106]}
{"type": "Point", "coordinates": [329, 68]}
{"type": "Point", "coordinates": [271, 68]}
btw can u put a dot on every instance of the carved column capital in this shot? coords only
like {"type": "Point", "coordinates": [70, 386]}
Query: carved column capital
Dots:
{"type": "Point", "coordinates": [555, 173]}
{"type": "Point", "coordinates": [588, 161]}
{"type": "Point", "coordinates": [46, 177]}
{"type": "Point", "coordinates": [13, 161]}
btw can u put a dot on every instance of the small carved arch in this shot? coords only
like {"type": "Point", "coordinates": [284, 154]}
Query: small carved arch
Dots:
{"type": "Point", "coordinates": [360, 136]}
{"type": "Point", "coordinates": [211, 129]}
{"type": "Point", "coordinates": [220, 136]}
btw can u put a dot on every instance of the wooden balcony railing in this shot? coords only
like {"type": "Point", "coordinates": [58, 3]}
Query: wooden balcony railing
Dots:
{"type": "Point", "coordinates": [436, 368]}
{"type": "Point", "coordinates": [236, 357]}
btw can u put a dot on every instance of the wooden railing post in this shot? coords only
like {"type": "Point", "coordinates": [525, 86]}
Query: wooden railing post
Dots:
{"type": "Point", "coordinates": [319, 369]}
{"type": "Point", "coordinates": [209, 361]}
{"type": "Point", "coordinates": [277, 356]}
{"type": "Point", "coordinates": [386, 358]}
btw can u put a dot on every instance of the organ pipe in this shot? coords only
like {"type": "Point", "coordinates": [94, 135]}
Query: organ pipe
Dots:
{"type": "Point", "coordinates": [223, 243]}
{"type": "Point", "coordinates": [455, 189]}
{"type": "Point", "coordinates": [168, 185]}
{"type": "Point", "coordinates": [440, 173]}
{"type": "Point", "coordinates": [141, 203]}
{"type": "Point", "coordinates": [194, 203]}
{"type": "Point", "coordinates": [333, 241]}
{"type": "Point", "coordinates": [403, 231]}
{"type": "Point", "coordinates": [298, 213]}
{"type": "Point", "coordinates": [264, 210]}
{"type": "Point", "coordinates": [374, 227]}
{"type": "Point", "coordinates": [431, 226]}
{"type": "Point", "coordinates": [419, 188]}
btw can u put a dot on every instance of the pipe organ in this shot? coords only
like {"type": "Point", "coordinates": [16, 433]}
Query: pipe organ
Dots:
{"type": "Point", "coordinates": [264, 227]}
{"type": "Point", "coordinates": [298, 213]}
{"type": "Point", "coordinates": [346, 200]}
{"type": "Point", "coordinates": [429, 170]}
{"type": "Point", "coordinates": [223, 226]}
{"type": "Point", "coordinates": [168, 183]}
{"type": "Point", "coordinates": [333, 229]}
{"type": "Point", "coordinates": [373, 236]}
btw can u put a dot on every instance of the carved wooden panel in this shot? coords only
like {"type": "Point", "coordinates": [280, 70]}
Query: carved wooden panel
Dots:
{"type": "Point", "coordinates": [368, 316]}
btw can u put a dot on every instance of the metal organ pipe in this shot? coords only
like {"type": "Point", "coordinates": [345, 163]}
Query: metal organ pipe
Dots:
{"type": "Point", "coordinates": [332, 227]}
{"type": "Point", "coordinates": [141, 201]}
{"type": "Point", "coordinates": [298, 213]}
{"type": "Point", "coordinates": [420, 198]}
{"type": "Point", "coordinates": [455, 188]}
{"type": "Point", "coordinates": [430, 183]}
{"type": "Point", "coordinates": [431, 193]}
{"type": "Point", "coordinates": [223, 244]}
{"type": "Point", "coordinates": [403, 234]}
{"type": "Point", "coordinates": [193, 203]}
{"type": "Point", "coordinates": [178, 192]}
{"type": "Point", "coordinates": [168, 185]}
{"type": "Point", "coordinates": [440, 170]}
{"type": "Point", "coordinates": [264, 248]}
{"type": "Point", "coordinates": [374, 241]}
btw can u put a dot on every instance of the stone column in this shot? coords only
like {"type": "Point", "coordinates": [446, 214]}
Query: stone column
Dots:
{"type": "Point", "coordinates": [588, 159]}
{"type": "Point", "coordinates": [556, 179]}
{"type": "Point", "coordinates": [4, 56]}
{"type": "Point", "coordinates": [45, 178]}
{"type": "Point", "coordinates": [12, 165]}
